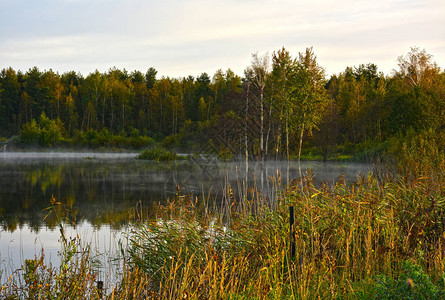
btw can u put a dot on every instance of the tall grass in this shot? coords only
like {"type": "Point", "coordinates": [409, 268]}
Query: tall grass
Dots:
{"type": "Point", "coordinates": [345, 237]}
{"type": "Point", "coordinates": [73, 279]}
{"type": "Point", "coordinates": [371, 239]}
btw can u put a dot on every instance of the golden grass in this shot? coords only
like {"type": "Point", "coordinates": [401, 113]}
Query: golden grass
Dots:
{"type": "Point", "coordinates": [346, 237]}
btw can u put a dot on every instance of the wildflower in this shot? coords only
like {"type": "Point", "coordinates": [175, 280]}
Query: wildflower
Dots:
{"type": "Point", "coordinates": [409, 283]}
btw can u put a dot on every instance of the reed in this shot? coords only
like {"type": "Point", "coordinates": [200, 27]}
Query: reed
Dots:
{"type": "Point", "coordinates": [36, 279]}
{"type": "Point", "coordinates": [373, 238]}
{"type": "Point", "coordinates": [346, 236]}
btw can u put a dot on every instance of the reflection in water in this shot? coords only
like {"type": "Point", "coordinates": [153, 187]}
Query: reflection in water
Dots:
{"type": "Point", "coordinates": [101, 190]}
{"type": "Point", "coordinates": [25, 243]}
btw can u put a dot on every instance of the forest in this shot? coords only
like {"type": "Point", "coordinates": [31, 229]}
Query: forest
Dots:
{"type": "Point", "coordinates": [284, 105]}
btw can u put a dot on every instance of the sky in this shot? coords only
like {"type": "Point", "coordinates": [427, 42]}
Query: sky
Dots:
{"type": "Point", "coordinates": [187, 37]}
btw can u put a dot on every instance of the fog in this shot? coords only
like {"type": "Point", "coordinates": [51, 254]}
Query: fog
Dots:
{"type": "Point", "coordinates": [99, 188]}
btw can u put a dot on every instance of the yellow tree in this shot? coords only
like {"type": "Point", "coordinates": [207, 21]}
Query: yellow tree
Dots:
{"type": "Point", "coordinates": [309, 95]}
{"type": "Point", "coordinates": [422, 92]}
{"type": "Point", "coordinates": [415, 66]}
{"type": "Point", "coordinates": [259, 72]}
{"type": "Point", "coordinates": [282, 78]}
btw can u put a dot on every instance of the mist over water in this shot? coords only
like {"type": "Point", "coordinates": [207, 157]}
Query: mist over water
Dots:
{"type": "Point", "coordinates": [28, 156]}
{"type": "Point", "coordinates": [100, 188]}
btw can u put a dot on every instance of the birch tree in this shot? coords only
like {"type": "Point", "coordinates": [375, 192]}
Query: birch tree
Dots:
{"type": "Point", "coordinates": [259, 70]}
{"type": "Point", "coordinates": [283, 75]}
{"type": "Point", "coordinates": [414, 66]}
{"type": "Point", "coordinates": [309, 95]}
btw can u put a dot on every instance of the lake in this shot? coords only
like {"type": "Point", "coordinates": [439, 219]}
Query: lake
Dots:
{"type": "Point", "coordinates": [100, 193]}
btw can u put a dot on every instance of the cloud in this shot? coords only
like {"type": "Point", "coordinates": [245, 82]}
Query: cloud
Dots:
{"type": "Point", "coordinates": [189, 37]}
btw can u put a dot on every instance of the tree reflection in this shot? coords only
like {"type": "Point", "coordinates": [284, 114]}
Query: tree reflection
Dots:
{"type": "Point", "coordinates": [101, 191]}
{"type": "Point", "coordinates": [97, 192]}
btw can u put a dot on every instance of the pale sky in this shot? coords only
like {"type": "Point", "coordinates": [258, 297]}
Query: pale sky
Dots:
{"type": "Point", "coordinates": [187, 37]}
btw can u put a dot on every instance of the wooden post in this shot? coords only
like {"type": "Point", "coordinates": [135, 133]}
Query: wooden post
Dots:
{"type": "Point", "coordinates": [100, 289]}
{"type": "Point", "coordinates": [292, 249]}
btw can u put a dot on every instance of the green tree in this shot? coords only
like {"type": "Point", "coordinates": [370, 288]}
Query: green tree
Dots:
{"type": "Point", "coordinates": [360, 99]}
{"type": "Point", "coordinates": [70, 111]}
{"type": "Point", "coordinates": [31, 85]}
{"type": "Point", "coordinates": [45, 133]}
{"type": "Point", "coordinates": [416, 93]}
{"type": "Point", "coordinates": [203, 91]}
{"type": "Point", "coordinates": [118, 92]}
{"type": "Point", "coordinates": [30, 133]}
{"type": "Point", "coordinates": [218, 87]}
{"type": "Point", "coordinates": [187, 91]}
{"type": "Point", "coordinates": [309, 95]}
{"type": "Point", "coordinates": [282, 79]}
{"type": "Point", "coordinates": [150, 78]}
{"type": "Point", "coordinates": [50, 131]}
{"type": "Point", "coordinates": [161, 105]}
{"type": "Point", "coordinates": [10, 97]}
{"type": "Point", "coordinates": [177, 106]}
{"type": "Point", "coordinates": [53, 91]}
{"type": "Point", "coordinates": [141, 104]}
{"type": "Point", "coordinates": [328, 129]}
{"type": "Point", "coordinates": [94, 91]}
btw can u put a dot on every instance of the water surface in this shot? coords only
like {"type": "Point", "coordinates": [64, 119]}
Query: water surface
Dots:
{"type": "Point", "coordinates": [99, 191]}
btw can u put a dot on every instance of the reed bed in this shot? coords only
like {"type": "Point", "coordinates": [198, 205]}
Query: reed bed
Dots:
{"type": "Point", "coordinates": [381, 237]}
{"type": "Point", "coordinates": [347, 238]}
{"type": "Point", "coordinates": [36, 279]}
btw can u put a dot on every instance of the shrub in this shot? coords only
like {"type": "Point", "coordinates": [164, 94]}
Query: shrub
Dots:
{"type": "Point", "coordinates": [30, 133]}
{"type": "Point", "coordinates": [412, 283]}
{"type": "Point", "coordinates": [419, 156]}
{"type": "Point", "coordinates": [158, 154]}
{"type": "Point", "coordinates": [104, 138]}
{"type": "Point", "coordinates": [225, 154]}
{"type": "Point", "coordinates": [45, 133]}
{"type": "Point", "coordinates": [140, 141]}
{"type": "Point", "coordinates": [50, 135]}
{"type": "Point", "coordinates": [133, 132]}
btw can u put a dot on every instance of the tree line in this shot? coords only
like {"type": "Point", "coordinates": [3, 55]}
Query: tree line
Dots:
{"type": "Point", "coordinates": [280, 101]}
